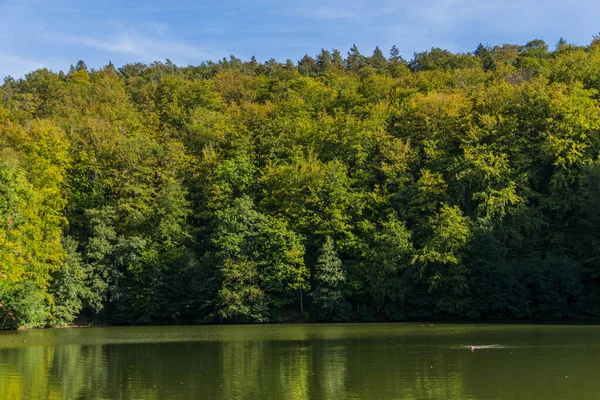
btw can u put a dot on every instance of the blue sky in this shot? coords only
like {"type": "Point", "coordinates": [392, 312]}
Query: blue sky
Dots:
{"type": "Point", "coordinates": [56, 34]}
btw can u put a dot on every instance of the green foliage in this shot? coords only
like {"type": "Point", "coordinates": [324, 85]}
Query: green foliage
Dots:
{"type": "Point", "coordinates": [329, 285]}
{"type": "Point", "coordinates": [69, 288]}
{"type": "Point", "coordinates": [438, 59]}
{"type": "Point", "coordinates": [23, 306]}
{"type": "Point", "coordinates": [442, 258]}
{"type": "Point", "coordinates": [364, 188]}
{"type": "Point", "coordinates": [554, 288]}
{"type": "Point", "coordinates": [383, 267]}
{"type": "Point", "coordinates": [259, 262]}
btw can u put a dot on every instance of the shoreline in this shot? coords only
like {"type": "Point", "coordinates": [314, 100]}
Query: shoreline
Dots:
{"type": "Point", "coordinates": [581, 321]}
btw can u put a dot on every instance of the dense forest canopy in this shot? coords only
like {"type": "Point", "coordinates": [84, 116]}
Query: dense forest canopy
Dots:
{"type": "Point", "coordinates": [331, 189]}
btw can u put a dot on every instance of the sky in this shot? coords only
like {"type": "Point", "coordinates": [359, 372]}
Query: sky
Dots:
{"type": "Point", "coordinates": [55, 34]}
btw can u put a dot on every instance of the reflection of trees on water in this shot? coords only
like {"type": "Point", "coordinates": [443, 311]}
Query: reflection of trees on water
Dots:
{"type": "Point", "coordinates": [231, 370]}
{"type": "Point", "coordinates": [312, 367]}
{"type": "Point", "coordinates": [62, 372]}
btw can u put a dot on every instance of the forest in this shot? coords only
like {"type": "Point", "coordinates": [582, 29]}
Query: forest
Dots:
{"type": "Point", "coordinates": [337, 188]}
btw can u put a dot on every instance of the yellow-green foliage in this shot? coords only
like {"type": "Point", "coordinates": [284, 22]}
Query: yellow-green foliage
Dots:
{"type": "Point", "coordinates": [341, 189]}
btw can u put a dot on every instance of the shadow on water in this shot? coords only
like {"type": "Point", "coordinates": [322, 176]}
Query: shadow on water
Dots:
{"type": "Point", "coordinates": [391, 361]}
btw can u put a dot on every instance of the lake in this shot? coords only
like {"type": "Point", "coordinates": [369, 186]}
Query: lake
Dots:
{"type": "Point", "coordinates": [330, 361]}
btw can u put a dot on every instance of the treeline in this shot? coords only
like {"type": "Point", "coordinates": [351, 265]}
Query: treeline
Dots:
{"type": "Point", "coordinates": [331, 189]}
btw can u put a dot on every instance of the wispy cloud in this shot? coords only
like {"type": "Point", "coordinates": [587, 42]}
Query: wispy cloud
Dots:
{"type": "Point", "coordinates": [34, 34]}
{"type": "Point", "coordinates": [15, 66]}
{"type": "Point", "coordinates": [455, 24]}
{"type": "Point", "coordinates": [147, 47]}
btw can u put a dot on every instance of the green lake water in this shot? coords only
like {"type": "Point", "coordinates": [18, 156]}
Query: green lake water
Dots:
{"type": "Point", "coordinates": [345, 361]}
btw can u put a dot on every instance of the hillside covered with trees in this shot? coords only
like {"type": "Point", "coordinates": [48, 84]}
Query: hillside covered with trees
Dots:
{"type": "Point", "coordinates": [332, 189]}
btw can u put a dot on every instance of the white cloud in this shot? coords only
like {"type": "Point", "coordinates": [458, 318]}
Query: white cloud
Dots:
{"type": "Point", "coordinates": [416, 25]}
{"type": "Point", "coordinates": [15, 66]}
{"type": "Point", "coordinates": [148, 47]}
{"type": "Point", "coordinates": [331, 13]}
{"type": "Point", "coordinates": [34, 35]}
